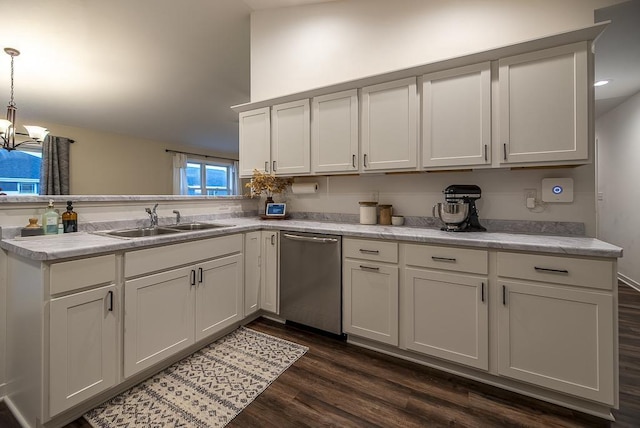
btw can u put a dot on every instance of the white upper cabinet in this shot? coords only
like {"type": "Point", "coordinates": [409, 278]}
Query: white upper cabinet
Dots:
{"type": "Point", "coordinates": [255, 141]}
{"type": "Point", "coordinates": [544, 106]}
{"type": "Point", "coordinates": [389, 125]}
{"type": "Point", "coordinates": [456, 117]}
{"type": "Point", "coordinates": [334, 132]}
{"type": "Point", "coordinates": [291, 138]}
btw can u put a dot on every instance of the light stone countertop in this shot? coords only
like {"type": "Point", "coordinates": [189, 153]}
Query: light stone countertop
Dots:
{"type": "Point", "coordinates": [83, 244]}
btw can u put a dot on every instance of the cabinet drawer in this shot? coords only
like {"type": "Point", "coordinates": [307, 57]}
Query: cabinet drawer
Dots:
{"type": "Point", "coordinates": [77, 274]}
{"type": "Point", "coordinates": [447, 258]}
{"type": "Point", "coordinates": [381, 251]}
{"type": "Point", "coordinates": [555, 269]}
{"type": "Point", "coordinates": [169, 256]}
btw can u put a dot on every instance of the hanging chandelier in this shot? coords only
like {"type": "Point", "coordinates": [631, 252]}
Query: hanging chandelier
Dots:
{"type": "Point", "coordinates": [8, 125]}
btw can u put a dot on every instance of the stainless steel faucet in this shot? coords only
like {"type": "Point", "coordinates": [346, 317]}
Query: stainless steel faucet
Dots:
{"type": "Point", "coordinates": [153, 216]}
{"type": "Point", "coordinates": [177, 213]}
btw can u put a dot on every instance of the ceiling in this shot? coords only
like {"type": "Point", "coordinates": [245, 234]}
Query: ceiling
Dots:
{"type": "Point", "coordinates": [169, 71]}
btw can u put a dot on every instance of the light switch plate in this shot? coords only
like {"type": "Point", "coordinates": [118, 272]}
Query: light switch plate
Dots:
{"type": "Point", "coordinates": [557, 190]}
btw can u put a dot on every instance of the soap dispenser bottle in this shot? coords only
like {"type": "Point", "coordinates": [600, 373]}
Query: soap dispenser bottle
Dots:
{"type": "Point", "coordinates": [69, 219]}
{"type": "Point", "coordinates": [50, 220]}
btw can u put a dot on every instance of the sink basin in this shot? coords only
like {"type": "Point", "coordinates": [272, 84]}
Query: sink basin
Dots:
{"type": "Point", "coordinates": [142, 232]}
{"type": "Point", "coordinates": [196, 226]}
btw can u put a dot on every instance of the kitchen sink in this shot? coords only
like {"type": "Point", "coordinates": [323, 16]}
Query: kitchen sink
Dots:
{"type": "Point", "coordinates": [142, 232]}
{"type": "Point", "coordinates": [196, 226]}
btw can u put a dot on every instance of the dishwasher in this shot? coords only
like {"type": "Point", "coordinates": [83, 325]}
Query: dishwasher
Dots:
{"type": "Point", "coordinates": [311, 280]}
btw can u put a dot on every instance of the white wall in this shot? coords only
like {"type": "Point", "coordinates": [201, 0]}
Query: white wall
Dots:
{"type": "Point", "coordinates": [618, 135]}
{"type": "Point", "coordinates": [415, 194]}
{"type": "Point", "coordinates": [103, 163]}
{"type": "Point", "coordinates": [299, 48]}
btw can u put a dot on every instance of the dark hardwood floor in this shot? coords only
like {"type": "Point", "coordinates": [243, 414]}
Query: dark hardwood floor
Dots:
{"type": "Point", "coordinates": [336, 384]}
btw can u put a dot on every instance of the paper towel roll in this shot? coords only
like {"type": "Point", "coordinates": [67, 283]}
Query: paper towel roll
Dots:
{"type": "Point", "coordinates": [302, 188]}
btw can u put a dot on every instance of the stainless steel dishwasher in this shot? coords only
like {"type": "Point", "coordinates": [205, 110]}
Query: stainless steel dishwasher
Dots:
{"type": "Point", "coordinates": [311, 280]}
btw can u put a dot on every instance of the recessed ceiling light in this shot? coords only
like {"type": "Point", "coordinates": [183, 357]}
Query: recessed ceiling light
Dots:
{"type": "Point", "coordinates": [601, 82]}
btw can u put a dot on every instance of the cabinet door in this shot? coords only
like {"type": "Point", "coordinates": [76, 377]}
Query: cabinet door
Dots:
{"type": "Point", "coordinates": [255, 141]}
{"type": "Point", "coordinates": [252, 258]}
{"type": "Point", "coordinates": [219, 297]}
{"type": "Point", "coordinates": [544, 105]}
{"type": "Point", "coordinates": [334, 134]}
{"type": "Point", "coordinates": [83, 358]}
{"type": "Point", "coordinates": [558, 338]}
{"type": "Point", "coordinates": [159, 318]}
{"type": "Point", "coordinates": [456, 117]}
{"type": "Point", "coordinates": [270, 278]}
{"type": "Point", "coordinates": [370, 300]}
{"type": "Point", "coordinates": [447, 316]}
{"type": "Point", "coordinates": [291, 139]}
{"type": "Point", "coordinates": [389, 125]}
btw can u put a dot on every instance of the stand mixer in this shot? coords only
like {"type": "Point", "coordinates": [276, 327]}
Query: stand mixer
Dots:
{"type": "Point", "coordinates": [459, 213]}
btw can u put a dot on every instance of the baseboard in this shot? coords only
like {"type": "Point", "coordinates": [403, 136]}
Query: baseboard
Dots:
{"type": "Point", "coordinates": [630, 282]}
{"type": "Point", "coordinates": [16, 414]}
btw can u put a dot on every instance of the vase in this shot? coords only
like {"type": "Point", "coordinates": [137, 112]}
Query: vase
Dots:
{"type": "Point", "coordinates": [268, 201]}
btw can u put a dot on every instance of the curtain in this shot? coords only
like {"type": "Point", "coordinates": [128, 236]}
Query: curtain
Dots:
{"type": "Point", "coordinates": [180, 174]}
{"type": "Point", "coordinates": [54, 172]}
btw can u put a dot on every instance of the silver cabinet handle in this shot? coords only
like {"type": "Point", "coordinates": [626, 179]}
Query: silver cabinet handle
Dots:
{"type": "Point", "coordinates": [482, 292]}
{"type": "Point", "coordinates": [371, 268]}
{"type": "Point", "coordinates": [504, 148]}
{"type": "Point", "coordinates": [504, 295]}
{"type": "Point", "coordinates": [192, 275]}
{"type": "Point", "coordinates": [485, 153]}
{"type": "Point", "coordinates": [273, 239]}
{"type": "Point", "coordinates": [266, 166]}
{"type": "Point", "coordinates": [274, 166]}
{"type": "Point", "coordinates": [316, 239]}
{"type": "Point", "coordinates": [443, 259]}
{"type": "Point", "coordinates": [541, 269]}
{"type": "Point", "coordinates": [364, 160]}
{"type": "Point", "coordinates": [353, 160]}
{"type": "Point", "coordinates": [200, 275]}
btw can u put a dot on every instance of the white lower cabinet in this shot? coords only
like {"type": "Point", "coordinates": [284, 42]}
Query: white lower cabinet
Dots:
{"type": "Point", "coordinates": [558, 338]}
{"type": "Point", "coordinates": [269, 272]}
{"type": "Point", "coordinates": [83, 351]}
{"type": "Point", "coordinates": [168, 311]}
{"type": "Point", "coordinates": [159, 317]}
{"type": "Point", "coordinates": [370, 301]}
{"type": "Point", "coordinates": [447, 316]}
{"type": "Point", "coordinates": [370, 290]}
{"type": "Point", "coordinates": [252, 260]}
{"type": "Point", "coordinates": [219, 295]}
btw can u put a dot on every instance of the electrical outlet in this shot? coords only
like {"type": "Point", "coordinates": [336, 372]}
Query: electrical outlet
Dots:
{"type": "Point", "coordinates": [530, 196]}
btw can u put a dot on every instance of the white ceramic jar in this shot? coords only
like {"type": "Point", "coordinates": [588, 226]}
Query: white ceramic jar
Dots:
{"type": "Point", "coordinates": [368, 212]}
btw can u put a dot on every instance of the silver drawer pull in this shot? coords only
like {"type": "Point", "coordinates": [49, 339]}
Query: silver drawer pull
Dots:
{"type": "Point", "coordinates": [376, 269]}
{"type": "Point", "coordinates": [443, 259]}
{"type": "Point", "coordinates": [539, 269]}
{"type": "Point", "coordinates": [362, 250]}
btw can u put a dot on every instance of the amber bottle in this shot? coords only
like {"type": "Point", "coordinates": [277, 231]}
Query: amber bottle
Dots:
{"type": "Point", "coordinates": [69, 219]}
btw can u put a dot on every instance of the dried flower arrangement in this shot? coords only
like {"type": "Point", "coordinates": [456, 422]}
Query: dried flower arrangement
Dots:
{"type": "Point", "coordinates": [268, 184]}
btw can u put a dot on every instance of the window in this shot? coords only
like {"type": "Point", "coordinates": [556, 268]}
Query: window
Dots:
{"type": "Point", "coordinates": [211, 178]}
{"type": "Point", "coordinates": [20, 171]}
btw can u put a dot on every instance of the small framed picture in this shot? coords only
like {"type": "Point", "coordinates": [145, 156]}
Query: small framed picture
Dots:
{"type": "Point", "coordinates": [276, 210]}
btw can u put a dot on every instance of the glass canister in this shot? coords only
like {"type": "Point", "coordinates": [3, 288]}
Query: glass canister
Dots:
{"type": "Point", "coordinates": [385, 214]}
{"type": "Point", "coordinates": [368, 212]}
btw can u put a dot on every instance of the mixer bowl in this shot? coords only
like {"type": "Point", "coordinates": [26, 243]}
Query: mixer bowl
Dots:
{"type": "Point", "coordinates": [451, 213]}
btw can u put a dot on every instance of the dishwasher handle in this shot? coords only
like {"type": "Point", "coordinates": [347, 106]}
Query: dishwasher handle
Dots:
{"type": "Point", "coordinates": [316, 239]}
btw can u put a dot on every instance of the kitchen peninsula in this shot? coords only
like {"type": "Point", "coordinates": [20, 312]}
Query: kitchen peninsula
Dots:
{"type": "Point", "coordinates": [511, 334]}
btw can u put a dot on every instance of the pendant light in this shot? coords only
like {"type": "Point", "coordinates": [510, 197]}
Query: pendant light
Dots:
{"type": "Point", "coordinates": [8, 125]}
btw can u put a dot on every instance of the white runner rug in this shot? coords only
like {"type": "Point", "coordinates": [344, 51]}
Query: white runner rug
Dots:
{"type": "Point", "coordinates": [207, 389]}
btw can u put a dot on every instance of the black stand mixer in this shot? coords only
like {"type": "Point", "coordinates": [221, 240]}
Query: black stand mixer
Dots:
{"type": "Point", "coordinates": [466, 194]}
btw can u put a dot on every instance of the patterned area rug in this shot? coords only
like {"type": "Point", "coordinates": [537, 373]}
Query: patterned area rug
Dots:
{"type": "Point", "coordinates": [206, 389]}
